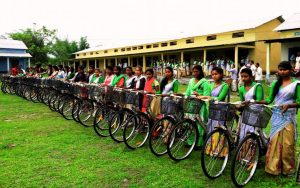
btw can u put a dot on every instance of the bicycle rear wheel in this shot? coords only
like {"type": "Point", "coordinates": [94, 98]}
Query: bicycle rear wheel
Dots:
{"type": "Point", "coordinates": [245, 160]}
{"type": "Point", "coordinates": [67, 108]}
{"type": "Point", "coordinates": [136, 130]}
{"type": "Point", "coordinates": [85, 113]}
{"type": "Point", "coordinates": [214, 156]}
{"type": "Point", "coordinates": [159, 135]}
{"type": "Point", "coordinates": [182, 140]}
{"type": "Point", "coordinates": [117, 124]}
{"type": "Point", "coordinates": [102, 120]}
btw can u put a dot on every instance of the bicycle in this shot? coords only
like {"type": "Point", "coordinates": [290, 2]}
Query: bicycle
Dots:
{"type": "Point", "coordinates": [171, 109]}
{"type": "Point", "coordinates": [253, 146]}
{"type": "Point", "coordinates": [221, 140]}
{"type": "Point", "coordinates": [137, 127]}
{"type": "Point", "coordinates": [123, 97]}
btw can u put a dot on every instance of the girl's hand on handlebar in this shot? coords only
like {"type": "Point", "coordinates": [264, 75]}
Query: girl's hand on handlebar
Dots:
{"type": "Point", "coordinates": [204, 97]}
{"type": "Point", "coordinates": [285, 108]}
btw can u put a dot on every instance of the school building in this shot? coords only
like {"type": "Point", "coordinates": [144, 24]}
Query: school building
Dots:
{"type": "Point", "coordinates": [256, 41]}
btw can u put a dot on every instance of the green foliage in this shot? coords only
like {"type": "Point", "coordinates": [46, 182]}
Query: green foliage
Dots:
{"type": "Point", "coordinates": [83, 44]}
{"type": "Point", "coordinates": [39, 42]}
{"type": "Point", "coordinates": [45, 47]}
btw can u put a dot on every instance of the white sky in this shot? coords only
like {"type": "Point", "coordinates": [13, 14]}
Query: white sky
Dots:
{"type": "Point", "coordinates": [120, 22]}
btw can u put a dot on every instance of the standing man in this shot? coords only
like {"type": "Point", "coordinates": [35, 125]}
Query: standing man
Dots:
{"type": "Point", "coordinates": [233, 73]}
{"type": "Point", "coordinates": [258, 74]}
{"type": "Point", "coordinates": [253, 68]}
{"type": "Point", "coordinates": [297, 67]}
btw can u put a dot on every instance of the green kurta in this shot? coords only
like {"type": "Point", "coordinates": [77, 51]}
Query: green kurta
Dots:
{"type": "Point", "coordinates": [202, 88]}
{"type": "Point", "coordinates": [100, 80]}
{"type": "Point", "coordinates": [222, 94]}
{"type": "Point", "coordinates": [259, 93]}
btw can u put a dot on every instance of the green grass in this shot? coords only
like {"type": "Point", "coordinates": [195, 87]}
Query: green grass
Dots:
{"type": "Point", "coordinates": [38, 148]}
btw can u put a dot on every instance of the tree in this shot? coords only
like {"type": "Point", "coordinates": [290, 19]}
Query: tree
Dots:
{"type": "Point", "coordinates": [45, 47]}
{"type": "Point", "coordinates": [39, 43]}
{"type": "Point", "coordinates": [83, 44]}
{"type": "Point", "coordinates": [63, 50]}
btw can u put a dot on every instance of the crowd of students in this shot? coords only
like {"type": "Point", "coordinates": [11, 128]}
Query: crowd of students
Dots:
{"type": "Point", "coordinates": [284, 92]}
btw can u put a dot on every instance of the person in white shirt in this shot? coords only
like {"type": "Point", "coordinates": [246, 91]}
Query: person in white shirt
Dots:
{"type": "Point", "coordinates": [297, 66]}
{"type": "Point", "coordinates": [61, 72]}
{"type": "Point", "coordinates": [253, 68]}
{"type": "Point", "coordinates": [233, 73]}
{"type": "Point", "coordinates": [258, 74]}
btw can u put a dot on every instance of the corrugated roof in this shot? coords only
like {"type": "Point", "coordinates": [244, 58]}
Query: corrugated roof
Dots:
{"type": "Point", "coordinates": [197, 31]}
{"type": "Point", "coordinates": [12, 44]}
{"type": "Point", "coordinates": [290, 23]}
{"type": "Point", "coordinates": [15, 55]}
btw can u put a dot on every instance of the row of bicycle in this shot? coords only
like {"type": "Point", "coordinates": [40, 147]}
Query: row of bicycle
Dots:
{"type": "Point", "coordinates": [130, 117]}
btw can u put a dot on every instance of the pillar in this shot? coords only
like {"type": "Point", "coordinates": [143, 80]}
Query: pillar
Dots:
{"type": "Point", "coordinates": [116, 61]}
{"type": "Point", "coordinates": [129, 62]}
{"type": "Point", "coordinates": [161, 56]}
{"type": "Point", "coordinates": [96, 63]}
{"type": "Point", "coordinates": [74, 65]}
{"type": "Point", "coordinates": [236, 57]}
{"type": "Point", "coordinates": [144, 63]}
{"type": "Point", "coordinates": [204, 56]}
{"type": "Point", "coordinates": [7, 64]}
{"type": "Point", "coordinates": [29, 62]}
{"type": "Point", "coordinates": [268, 59]}
{"type": "Point", "coordinates": [87, 65]}
{"type": "Point", "coordinates": [104, 64]}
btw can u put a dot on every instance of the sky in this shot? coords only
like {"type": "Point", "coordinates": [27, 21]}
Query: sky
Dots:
{"type": "Point", "coordinates": [122, 22]}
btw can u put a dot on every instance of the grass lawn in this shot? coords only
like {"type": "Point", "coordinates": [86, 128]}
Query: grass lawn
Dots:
{"type": "Point", "coordinates": [39, 148]}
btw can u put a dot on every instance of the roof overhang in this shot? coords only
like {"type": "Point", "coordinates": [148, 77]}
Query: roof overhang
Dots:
{"type": "Point", "coordinates": [283, 40]}
{"type": "Point", "coordinates": [15, 55]}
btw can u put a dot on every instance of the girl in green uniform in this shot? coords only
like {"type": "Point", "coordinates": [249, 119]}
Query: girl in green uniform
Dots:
{"type": "Point", "coordinates": [199, 86]}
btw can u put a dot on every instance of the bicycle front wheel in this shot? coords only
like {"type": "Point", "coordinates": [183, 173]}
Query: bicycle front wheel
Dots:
{"type": "Point", "coordinates": [215, 154]}
{"type": "Point", "coordinates": [245, 160]}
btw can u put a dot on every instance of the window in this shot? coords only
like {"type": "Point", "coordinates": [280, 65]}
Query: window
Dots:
{"type": "Point", "coordinates": [116, 50]}
{"type": "Point", "coordinates": [141, 47]}
{"type": "Point", "coordinates": [77, 54]}
{"type": "Point", "coordinates": [128, 49]}
{"type": "Point", "coordinates": [105, 51]}
{"type": "Point", "coordinates": [211, 37]}
{"type": "Point", "coordinates": [155, 45]}
{"type": "Point", "coordinates": [134, 48]}
{"type": "Point", "coordinates": [238, 34]}
{"type": "Point", "coordinates": [173, 43]}
{"type": "Point", "coordinates": [123, 49]}
{"type": "Point", "coordinates": [164, 44]}
{"type": "Point", "coordinates": [97, 52]}
{"type": "Point", "coordinates": [84, 54]}
{"type": "Point", "coordinates": [148, 46]}
{"type": "Point", "coordinates": [189, 41]}
{"type": "Point", "coordinates": [91, 53]}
